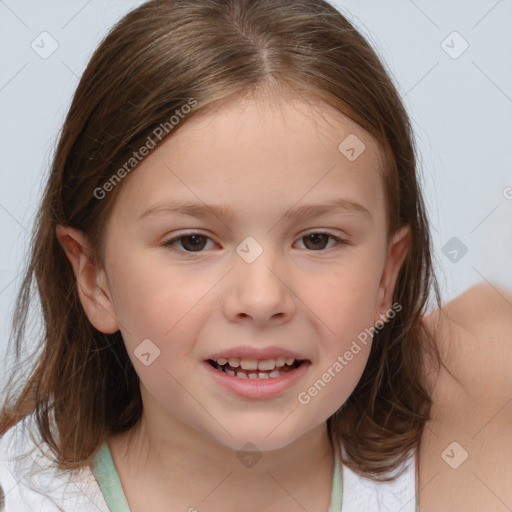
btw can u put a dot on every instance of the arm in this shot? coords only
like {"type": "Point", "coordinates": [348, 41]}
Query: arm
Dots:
{"type": "Point", "coordinates": [475, 342]}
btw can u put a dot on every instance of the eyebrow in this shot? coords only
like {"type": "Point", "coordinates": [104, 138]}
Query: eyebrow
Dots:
{"type": "Point", "coordinates": [202, 210]}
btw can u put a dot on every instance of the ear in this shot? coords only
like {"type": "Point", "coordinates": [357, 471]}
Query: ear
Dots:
{"type": "Point", "coordinates": [91, 280]}
{"type": "Point", "coordinates": [397, 251]}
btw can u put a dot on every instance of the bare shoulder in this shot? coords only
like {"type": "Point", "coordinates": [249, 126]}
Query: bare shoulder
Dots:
{"type": "Point", "coordinates": [481, 306]}
{"type": "Point", "coordinates": [465, 457]}
{"type": "Point", "coordinates": [473, 333]}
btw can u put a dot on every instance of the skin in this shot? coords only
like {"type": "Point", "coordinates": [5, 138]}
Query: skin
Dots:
{"type": "Point", "coordinates": [472, 405]}
{"type": "Point", "coordinates": [260, 158]}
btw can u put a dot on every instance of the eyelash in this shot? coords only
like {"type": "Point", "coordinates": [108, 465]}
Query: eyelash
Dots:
{"type": "Point", "coordinates": [169, 243]}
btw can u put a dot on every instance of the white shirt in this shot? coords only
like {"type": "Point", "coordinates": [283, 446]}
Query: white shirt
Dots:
{"type": "Point", "coordinates": [33, 484]}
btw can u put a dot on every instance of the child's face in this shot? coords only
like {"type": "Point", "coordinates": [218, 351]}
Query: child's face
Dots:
{"type": "Point", "coordinates": [202, 297]}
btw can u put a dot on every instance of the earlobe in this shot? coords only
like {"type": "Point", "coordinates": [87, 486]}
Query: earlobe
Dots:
{"type": "Point", "coordinates": [91, 281]}
{"type": "Point", "coordinates": [398, 249]}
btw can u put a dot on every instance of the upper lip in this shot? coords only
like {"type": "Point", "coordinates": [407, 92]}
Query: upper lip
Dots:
{"type": "Point", "coordinates": [247, 352]}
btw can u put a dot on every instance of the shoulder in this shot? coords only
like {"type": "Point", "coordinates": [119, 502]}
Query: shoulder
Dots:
{"type": "Point", "coordinates": [471, 417]}
{"type": "Point", "coordinates": [30, 480]}
{"type": "Point", "coordinates": [473, 333]}
{"type": "Point", "coordinates": [479, 307]}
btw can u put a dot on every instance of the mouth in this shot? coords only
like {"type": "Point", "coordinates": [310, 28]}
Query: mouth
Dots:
{"type": "Point", "coordinates": [256, 369]}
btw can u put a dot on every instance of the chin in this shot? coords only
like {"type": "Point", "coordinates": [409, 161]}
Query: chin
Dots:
{"type": "Point", "coordinates": [257, 439]}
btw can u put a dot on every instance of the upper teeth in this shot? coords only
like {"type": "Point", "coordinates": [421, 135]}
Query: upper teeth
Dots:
{"type": "Point", "coordinates": [256, 364]}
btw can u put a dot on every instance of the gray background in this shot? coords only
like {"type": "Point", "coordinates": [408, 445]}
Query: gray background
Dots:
{"type": "Point", "coordinates": [460, 104]}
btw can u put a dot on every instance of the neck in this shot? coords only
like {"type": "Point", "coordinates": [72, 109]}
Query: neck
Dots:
{"type": "Point", "coordinates": [177, 464]}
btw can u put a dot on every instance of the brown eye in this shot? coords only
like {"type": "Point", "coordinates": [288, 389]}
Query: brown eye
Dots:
{"type": "Point", "coordinates": [191, 243]}
{"type": "Point", "coordinates": [317, 241]}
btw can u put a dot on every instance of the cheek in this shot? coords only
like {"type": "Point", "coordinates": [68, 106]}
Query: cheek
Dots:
{"type": "Point", "coordinates": [333, 383]}
{"type": "Point", "coordinates": [161, 311]}
{"type": "Point", "coordinates": [345, 299]}
{"type": "Point", "coordinates": [336, 375]}
{"type": "Point", "coordinates": [344, 306]}
{"type": "Point", "coordinates": [150, 300]}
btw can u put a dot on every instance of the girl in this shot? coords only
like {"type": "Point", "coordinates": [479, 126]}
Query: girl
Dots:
{"type": "Point", "coordinates": [233, 260]}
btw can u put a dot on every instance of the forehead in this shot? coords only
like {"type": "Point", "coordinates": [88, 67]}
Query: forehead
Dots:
{"type": "Point", "coordinates": [264, 154]}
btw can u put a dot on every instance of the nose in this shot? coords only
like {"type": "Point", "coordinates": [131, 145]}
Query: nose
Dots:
{"type": "Point", "coordinates": [260, 291]}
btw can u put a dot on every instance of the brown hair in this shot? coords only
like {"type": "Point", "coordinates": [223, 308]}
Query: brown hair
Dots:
{"type": "Point", "coordinates": [154, 61]}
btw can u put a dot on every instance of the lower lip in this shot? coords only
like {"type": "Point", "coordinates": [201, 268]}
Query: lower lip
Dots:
{"type": "Point", "coordinates": [257, 388]}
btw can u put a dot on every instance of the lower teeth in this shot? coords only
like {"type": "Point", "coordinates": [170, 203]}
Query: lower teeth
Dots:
{"type": "Point", "coordinates": [254, 375]}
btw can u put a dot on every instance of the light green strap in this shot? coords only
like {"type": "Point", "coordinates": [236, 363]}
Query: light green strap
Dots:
{"type": "Point", "coordinates": [106, 474]}
{"type": "Point", "coordinates": [112, 490]}
{"type": "Point", "coordinates": [337, 486]}
{"type": "Point", "coordinates": [417, 480]}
